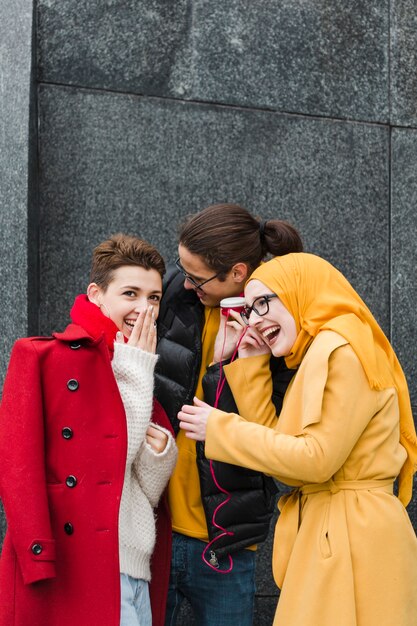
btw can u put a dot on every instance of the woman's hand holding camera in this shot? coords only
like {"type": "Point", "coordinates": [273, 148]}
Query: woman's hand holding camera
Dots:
{"type": "Point", "coordinates": [231, 329]}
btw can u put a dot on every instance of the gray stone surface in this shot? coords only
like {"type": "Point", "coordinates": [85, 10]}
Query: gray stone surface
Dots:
{"type": "Point", "coordinates": [15, 95]}
{"type": "Point", "coordinates": [265, 585]}
{"type": "Point", "coordinates": [112, 162]}
{"type": "Point", "coordinates": [404, 252]}
{"type": "Point", "coordinates": [128, 45]}
{"type": "Point", "coordinates": [403, 72]}
{"type": "Point", "coordinates": [412, 507]}
{"type": "Point", "coordinates": [328, 57]}
{"type": "Point", "coordinates": [265, 607]}
{"type": "Point", "coordinates": [15, 134]}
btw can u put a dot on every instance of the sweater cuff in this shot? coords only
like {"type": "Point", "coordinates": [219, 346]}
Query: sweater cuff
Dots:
{"type": "Point", "coordinates": [125, 356]}
{"type": "Point", "coordinates": [149, 454]}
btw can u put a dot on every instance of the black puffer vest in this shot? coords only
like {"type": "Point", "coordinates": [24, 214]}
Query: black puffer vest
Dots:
{"type": "Point", "coordinates": [253, 495]}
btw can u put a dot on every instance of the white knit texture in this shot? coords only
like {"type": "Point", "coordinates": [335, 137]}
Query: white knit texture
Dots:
{"type": "Point", "coordinates": [146, 472]}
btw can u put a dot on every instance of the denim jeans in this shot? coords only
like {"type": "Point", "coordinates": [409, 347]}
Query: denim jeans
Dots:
{"type": "Point", "coordinates": [135, 603]}
{"type": "Point", "coordinates": [216, 599]}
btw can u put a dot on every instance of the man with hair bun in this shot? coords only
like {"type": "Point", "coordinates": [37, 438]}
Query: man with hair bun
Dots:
{"type": "Point", "coordinates": [219, 512]}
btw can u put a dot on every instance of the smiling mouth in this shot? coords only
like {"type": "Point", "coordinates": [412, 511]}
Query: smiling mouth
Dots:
{"type": "Point", "coordinates": [130, 324]}
{"type": "Point", "coordinates": [271, 333]}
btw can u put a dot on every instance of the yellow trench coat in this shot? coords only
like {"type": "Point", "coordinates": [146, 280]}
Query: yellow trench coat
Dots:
{"type": "Point", "coordinates": [345, 553]}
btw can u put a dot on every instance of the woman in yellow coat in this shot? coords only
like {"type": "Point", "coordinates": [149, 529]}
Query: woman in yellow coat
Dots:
{"type": "Point", "coordinates": [345, 552]}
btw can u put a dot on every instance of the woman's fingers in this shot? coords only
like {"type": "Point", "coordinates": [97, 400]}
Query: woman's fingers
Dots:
{"type": "Point", "coordinates": [256, 335]}
{"type": "Point", "coordinates": [235, 315]}
{"type": "Point", "coordinates": [156, 439]}
{"type": "Point", "coordinates": [145, 339]}
{"type": "Point", "coordinates": [249, 340]}
{"type": "Point", "coordinates": [193, 420]}
{"type": "Point", "coordinates": [236, 326]}
{"type": "Point", "coordinates": [148, 321]}
{"type": "Point", "coordinates": [253, 344]}
{"type": "Point", "coordinates": [119, 337]}
{"type": "Point", "coordinates": [198, 402]}
{"type": "Point", "coordinates": [137, 329]}
{"type": "Point", "coordinates": [144, 331]}
{"type": "Point", "coordinates": [227, 338]}
{"type": "Point", "coordinates": [153, 338]}
{"type": "Point", "coordinates": [189, 409]}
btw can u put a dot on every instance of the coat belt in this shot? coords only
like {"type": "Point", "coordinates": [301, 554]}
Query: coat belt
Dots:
{"type": "Point", "coordinates": [334, 486]}
{"type": "Point", "coordinates": [289, 520]}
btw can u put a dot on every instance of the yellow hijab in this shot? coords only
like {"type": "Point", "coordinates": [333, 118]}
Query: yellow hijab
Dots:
{"type": "Point", "coordinates": [319, 298]}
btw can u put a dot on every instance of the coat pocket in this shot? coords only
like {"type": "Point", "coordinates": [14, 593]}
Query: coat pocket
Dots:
{"type": "Point", "coordinates": [324, 538]}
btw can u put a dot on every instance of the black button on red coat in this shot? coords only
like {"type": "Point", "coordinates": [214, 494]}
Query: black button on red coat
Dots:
{"type": "Point", "coordinates": [70, 481]}
{"type": "Point", "coordinates": [36, 549]}
{"type": "Point", "coordinates": [73, 384]}
{"type": "Point", "coordinates": [67, 432]}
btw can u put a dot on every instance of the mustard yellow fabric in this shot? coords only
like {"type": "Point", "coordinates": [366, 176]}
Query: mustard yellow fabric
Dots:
{"type": "Point", "coordinates": [319, 297]}
{"type": "Point", "coordinates": [345, 552]}
{"type": "Point", "coordinates": [184, 494]}
{"type": "Point", "coordinates": [184, 487]}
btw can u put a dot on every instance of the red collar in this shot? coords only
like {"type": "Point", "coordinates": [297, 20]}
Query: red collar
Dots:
{"type": "Point", "coordinates": [92, 321]}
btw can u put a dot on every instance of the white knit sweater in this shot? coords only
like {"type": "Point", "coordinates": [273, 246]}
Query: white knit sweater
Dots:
{"type": "Point", "coordinates": [146, 472]}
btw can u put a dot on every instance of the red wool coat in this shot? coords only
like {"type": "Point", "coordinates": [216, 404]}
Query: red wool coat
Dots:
{"type": "Point", "coordinates": [63, 442]}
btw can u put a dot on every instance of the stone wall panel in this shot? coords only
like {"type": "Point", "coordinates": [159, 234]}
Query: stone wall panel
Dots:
{"type": "Point", "coordinates": [327, 57]}
{"type": "Point", "coordinates": [111, 162]}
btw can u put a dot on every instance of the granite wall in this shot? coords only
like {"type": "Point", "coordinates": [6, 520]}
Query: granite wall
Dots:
{"type": "Point", "coordinates": [150, 109]}
{"type": "Point", "coordinates": [18, 225]}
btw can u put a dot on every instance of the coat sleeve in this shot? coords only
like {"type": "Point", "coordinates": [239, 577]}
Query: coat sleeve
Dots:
{"type": "Point", "coordinates": [211, 381]}
{"type": "Point", "coordinates": [251, 385]}
{"type": "Point", "coordinates": [22, 465]}
{"type": "Point", "coordinates": [321, 448]}
{"type": "Point", "coordinates": [247, 381]}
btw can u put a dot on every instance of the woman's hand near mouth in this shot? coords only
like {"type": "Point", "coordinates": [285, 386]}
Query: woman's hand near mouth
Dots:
{"type": "Point", "coordinates": [252, 344]}
{"type": "Point", "coordinates": [143, 333]}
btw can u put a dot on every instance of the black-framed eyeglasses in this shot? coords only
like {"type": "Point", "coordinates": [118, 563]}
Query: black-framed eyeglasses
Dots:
{"type": "Point", "coordinates": [191, 280]}
{"type": "Point", "coordinates": [260, 305]}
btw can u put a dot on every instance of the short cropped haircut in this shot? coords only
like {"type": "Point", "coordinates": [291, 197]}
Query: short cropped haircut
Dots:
{"type": "Point", "coordinates": [119, 250]}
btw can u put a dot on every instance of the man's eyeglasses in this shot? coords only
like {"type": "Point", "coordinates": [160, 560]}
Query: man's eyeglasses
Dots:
{"type": "Point", "coordinates": [260, 305]}
{"type": "Point", "coordinates": [191, 280]}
